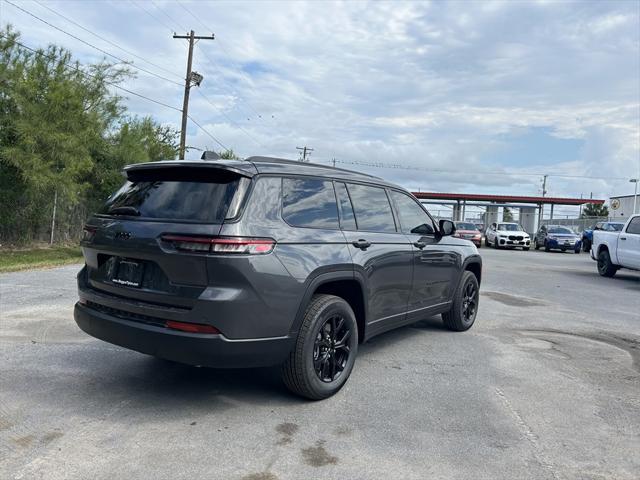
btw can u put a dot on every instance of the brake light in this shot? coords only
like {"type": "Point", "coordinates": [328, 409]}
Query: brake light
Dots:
{"type": "Point", "coordinates": [191, 327]}
{"type": "Point", "coordinates": [225, 245]}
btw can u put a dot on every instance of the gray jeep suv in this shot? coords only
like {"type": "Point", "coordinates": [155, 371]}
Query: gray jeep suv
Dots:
{"type": "Point", "coordinates": [264, 261]}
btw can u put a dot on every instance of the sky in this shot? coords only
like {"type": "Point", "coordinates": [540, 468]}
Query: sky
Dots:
{"type": "Point", "coordinates": [460, 96]}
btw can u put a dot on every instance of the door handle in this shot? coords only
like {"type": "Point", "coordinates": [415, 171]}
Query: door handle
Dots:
{"type": "Point", "coordinates": [623, 238]}
{"type": "Point", "coordinates": [419, 244]}
{"type": "Point", "coordinates": [361, 244]}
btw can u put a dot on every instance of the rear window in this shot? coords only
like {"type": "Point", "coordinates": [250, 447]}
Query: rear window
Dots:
{"type": "Point", "coordinates": [202, 195]}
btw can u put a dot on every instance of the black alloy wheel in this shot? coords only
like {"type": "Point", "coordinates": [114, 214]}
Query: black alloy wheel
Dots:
{"type": "Point", "coordinates": [464, 309]}
{"type": "Point", "coordinates": [470, 301]}
{"type": "Point", "coordinates": [325, 350]}
{"type": "Point", "coordinates": [331, 349]}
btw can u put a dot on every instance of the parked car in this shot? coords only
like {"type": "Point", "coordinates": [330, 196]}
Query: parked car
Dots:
{"type": "Point", "coordinates": [468, 231]}
{"type": "Point", "coordinates": [268, 262]}
{"type": "Point", "coordinates": [557, 237]}
{"type": "Point", "coordinates": [614, 250]}
{"type": "Point", "coordinates": [507, 234]}
{"type": "Point", "coordinates": [587, 235]}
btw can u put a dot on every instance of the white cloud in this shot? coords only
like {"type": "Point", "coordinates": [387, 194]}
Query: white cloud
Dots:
{"type": "Point", "coordinates": [434, 85]}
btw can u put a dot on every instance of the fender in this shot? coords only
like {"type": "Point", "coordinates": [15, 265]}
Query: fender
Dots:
{"type": "Point", "coordinates": [317, 279]}
{"type": "Point", "coordinates": [471, 259]}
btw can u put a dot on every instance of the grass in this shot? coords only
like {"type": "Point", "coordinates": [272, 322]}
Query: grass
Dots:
{"type": "Point", "coordinates": [14, 260]}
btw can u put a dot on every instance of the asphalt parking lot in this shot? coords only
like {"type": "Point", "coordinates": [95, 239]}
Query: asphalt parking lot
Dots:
{"type": "Point", "coordinates": [545, 386]}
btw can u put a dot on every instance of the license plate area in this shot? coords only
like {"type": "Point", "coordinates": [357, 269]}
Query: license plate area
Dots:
{"type": "Point", "coordinates": [128, 272]}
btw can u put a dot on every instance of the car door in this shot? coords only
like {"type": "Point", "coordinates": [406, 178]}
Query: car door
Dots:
{"type": "Point", "coordinates": [629, 245]}
{"type": "Point", "coordinates": [381, 254]}
{"type": "Point", "coordinates": [435, 265]}
{"type": "Point", "coordinates": [542, 233]}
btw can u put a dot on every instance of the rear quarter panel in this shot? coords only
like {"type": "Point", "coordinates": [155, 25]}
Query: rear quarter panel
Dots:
{"type": "Point", "coordinates": [302, 253]}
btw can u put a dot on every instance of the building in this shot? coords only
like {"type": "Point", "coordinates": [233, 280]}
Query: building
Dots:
{"type": "Point", "coordinates": [622, 207]}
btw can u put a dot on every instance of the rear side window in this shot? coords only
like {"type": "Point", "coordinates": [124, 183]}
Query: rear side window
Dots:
{"type": "Point", "coordinates": [347, 218]}
{"type": "Point", "coordinates": [309, 202]}
{"type": "Point", "coordinates": [634, 226]}
{"type": "Point", "coordinates": [372, 209]}
{"type": "Point", "coordinates": [185, 194]}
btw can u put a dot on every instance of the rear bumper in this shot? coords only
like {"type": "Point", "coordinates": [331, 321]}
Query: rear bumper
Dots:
{"type": "Point", "coordinates": [190, 348]}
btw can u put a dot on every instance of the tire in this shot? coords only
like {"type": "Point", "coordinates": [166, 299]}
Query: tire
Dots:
{"type": "Point", "coordinates": [546, 248]}
{"type": "Point", "coordinates": [317, 340]}
{"type": "Point", "coordinates": [586, 245]}
{"type": "Point", "coordinates": [486, 242]}
{"type": "Point", "coordinates": [605, 267]}
{"type": "Point", "coordinates": [536, 245]}
{"type": "Point", "coordinates": [525, 249]}
{"type": "Point", "coordinates": [459, 318]}
{"type": "Point", "coordinates": [576, 250]}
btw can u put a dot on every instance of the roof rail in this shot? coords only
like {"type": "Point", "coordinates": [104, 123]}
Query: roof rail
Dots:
{"type": "Point", "coordinates": [303, 164]}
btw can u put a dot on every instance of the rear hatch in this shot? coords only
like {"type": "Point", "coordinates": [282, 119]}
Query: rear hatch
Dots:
{"type": "Point", "coordinates": [126, 248]}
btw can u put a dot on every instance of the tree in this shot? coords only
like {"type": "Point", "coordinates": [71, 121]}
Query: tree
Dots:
{"type": "Point", "coordinates": [64, 137]}
{"type": "Point", "coordinates": [507, 215]}
{"type": "Point", "coordinates": [594, 210]}
{"type": "Point", "coordinates": [229, 155]}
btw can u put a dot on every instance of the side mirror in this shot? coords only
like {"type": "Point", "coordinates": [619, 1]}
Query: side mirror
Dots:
{"type": "Point", "coordinates": [447, 227]}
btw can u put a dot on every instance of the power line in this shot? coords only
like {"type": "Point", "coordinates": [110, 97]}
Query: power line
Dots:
{"type": "Point", "coordinates": [166, 14]}
{"type": "Point", "coordinates": [82, 72]}
{"type": "Point", "coordinates": [213, 63]}
{"type": "Point", "coordinates": [209, 134]}
{"type": "Point", "coordinates": [113, 84]}
{"type": "Point", "coordinates": [237, 125]}
{"type": "Point", "coordinates": [107, 40]}
{"type": "Point", "coordinates": [467, 172]}
{"type": "Point", "coordinates": [204, 52]}
{"type": "Point", "coordinates": [170, 28]}
{"type": "Point", "coordinates": [91, 45]}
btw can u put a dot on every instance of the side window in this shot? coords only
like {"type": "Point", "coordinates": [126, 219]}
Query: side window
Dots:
{"type": "Point", "coordinates": [634, 226]}
{"type": "Point", "coordinates": [347, 218]}
{"type": "Point", "coordinates": [309, 202]}
{"type": "Point", "coordinates": [413, 218]}
{"type": "Point", "coordinates": [372, 209]}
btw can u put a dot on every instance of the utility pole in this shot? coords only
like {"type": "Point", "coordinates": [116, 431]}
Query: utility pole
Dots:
{"type": "Point", "coordinates": [192, 78]}
{"type": "Point", "coordinates": [334, 162]}
{"type": "Point", "coordinates": [306, 151]}
{"type": "Point", "coordinates": [544, 194]}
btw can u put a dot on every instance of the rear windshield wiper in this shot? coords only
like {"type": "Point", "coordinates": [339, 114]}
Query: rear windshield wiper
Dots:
{"type": "Point", "coordinates": [133, 211]}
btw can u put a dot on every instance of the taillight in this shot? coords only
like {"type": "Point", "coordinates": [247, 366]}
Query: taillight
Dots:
{"type": "Point", "coordinates": [88, 233]}
{"type": "Point", "coordinates": [191, 327]}
{"type": "Point", "coordinates": [224, 245]}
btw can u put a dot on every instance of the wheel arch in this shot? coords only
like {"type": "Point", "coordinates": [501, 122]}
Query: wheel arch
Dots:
{"type": "Point", "coordinates": [346, 284]}
{"type": "Point", "coordinates": [474, 265]}
{"type": "Point", "coordinates": [601, 248]}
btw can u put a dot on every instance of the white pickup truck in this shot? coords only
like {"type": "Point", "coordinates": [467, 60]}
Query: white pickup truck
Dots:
{"type": "Point", "coordinates": [616, 250]}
